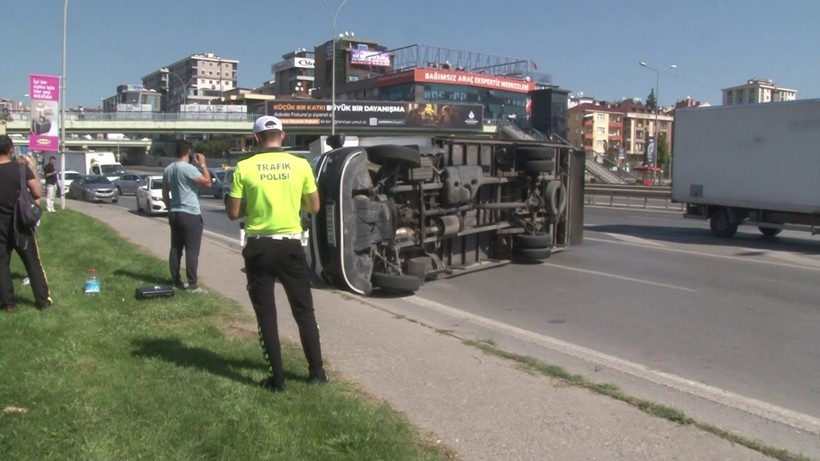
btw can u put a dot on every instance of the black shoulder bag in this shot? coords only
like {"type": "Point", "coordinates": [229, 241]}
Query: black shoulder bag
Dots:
{"type": "Point", "coordinates": [27, 213]}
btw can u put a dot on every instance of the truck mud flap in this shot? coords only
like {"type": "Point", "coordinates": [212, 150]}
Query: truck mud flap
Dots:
{"type": "Point", "coordinates": [340, 173]}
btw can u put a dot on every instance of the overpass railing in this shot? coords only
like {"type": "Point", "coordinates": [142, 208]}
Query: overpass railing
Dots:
{"type": "Point", "coordinates": [147, 116]}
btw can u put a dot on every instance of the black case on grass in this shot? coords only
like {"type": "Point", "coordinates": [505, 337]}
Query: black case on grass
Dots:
{"type": "Point", "coordinates": [154, 291]}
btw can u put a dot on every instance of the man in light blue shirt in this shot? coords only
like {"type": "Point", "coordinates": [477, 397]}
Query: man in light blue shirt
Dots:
{"type": "Point", "coordinates": [180, 183]}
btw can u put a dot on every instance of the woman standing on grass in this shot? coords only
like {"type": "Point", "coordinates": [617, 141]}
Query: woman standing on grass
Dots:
{"type": "Point", "coordinates": [23, 243]}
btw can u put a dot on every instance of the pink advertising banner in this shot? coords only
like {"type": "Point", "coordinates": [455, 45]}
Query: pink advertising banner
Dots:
{"type": "Point", "coordinates": [45, 102]}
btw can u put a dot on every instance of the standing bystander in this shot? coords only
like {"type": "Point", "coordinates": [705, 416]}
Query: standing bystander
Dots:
{"type": "Point", "coordinates": [50, 173]}
{"type": "Point", "coordinates": [22, 242]}
{"type": "Point", "coordinates": [180, 182]}
{"type": "Point", "coordinates": [270, 188]}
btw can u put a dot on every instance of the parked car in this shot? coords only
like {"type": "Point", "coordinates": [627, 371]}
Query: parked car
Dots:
{"type": "Point", "coordinates": [218, 187]}
{"type": "Point", "coordinates": [149, 196]}
{"type": "Point", "coordinates": [93, 188]}
{"type": "Point", "coordinates": [129, 183]}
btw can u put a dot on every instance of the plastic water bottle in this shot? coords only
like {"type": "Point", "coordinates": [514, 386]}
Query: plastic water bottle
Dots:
{"type": "Point", "coordinates": [92, 283]}
{"type": "Point", "coordinates": [242, 234]}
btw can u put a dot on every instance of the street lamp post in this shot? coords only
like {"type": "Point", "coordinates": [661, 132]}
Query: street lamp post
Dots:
{"type": "Point", "coordinates": [62, 106]}
{"type": "Point", "coordinates": [656, 131]}
{"type": "Point", "coordinates": [333, 67]}
{"type": "Point", "coordinates": [184, 85]}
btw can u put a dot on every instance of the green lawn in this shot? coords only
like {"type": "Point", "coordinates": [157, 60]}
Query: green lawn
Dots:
{"type": "Point", "coordinates": [109, 377]}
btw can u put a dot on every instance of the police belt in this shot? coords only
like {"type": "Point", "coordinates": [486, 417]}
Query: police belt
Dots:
{"type": "Point", "coordinates": [296, 236]}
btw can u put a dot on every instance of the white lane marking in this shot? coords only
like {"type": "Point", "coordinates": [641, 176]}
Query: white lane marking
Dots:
{"type": "Point", "coordinates": [633, 239]}
{"type": "Point", "coordinates": [786, 256]}
{"type": "Point", "coordinates": [620, 277]}
{"type": "Point", "coordinates": [750, 405]}
{"type": "Point", "coordinates": [709, 255]}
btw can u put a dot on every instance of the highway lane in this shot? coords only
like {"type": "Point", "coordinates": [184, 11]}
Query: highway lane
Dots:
{"type": "Point", "coordinates": [660, 291]}
{"type": "Point", "coordinates": [657, 290]}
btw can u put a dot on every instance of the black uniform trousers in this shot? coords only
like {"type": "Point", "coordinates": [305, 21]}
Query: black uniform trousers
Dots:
{"type": "Point", "coordinates": [186, 236]}
{"type": "Point", "coordinates": [25, 245]}
{"type": "Point", "coordinates": [267, 260]}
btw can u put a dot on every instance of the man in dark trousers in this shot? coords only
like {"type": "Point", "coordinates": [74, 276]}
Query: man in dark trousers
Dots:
{"type": "Point", "coordinates": [270, 188]}
{"type": "Point", "coordinates": [50, 174]}
{"type": "Point", "coordinates": [180, 183]}
{"type": "Point", "coordinates": [24, 243]}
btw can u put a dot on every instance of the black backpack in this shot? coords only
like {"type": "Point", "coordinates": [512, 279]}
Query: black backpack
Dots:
{"type": "Point", "coordinates": [27, 213]}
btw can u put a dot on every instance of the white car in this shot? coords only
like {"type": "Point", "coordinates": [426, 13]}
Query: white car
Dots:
{"type": "Point", "coordinates": [70, 176]}
{"type": "Point", "coordinates": [149, 196]}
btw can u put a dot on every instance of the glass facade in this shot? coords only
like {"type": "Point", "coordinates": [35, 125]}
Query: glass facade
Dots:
{"type": "Point", "coordinates": [497, 104]}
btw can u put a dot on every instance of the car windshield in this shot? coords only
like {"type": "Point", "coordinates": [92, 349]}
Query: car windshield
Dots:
{"type": "Point", "coordinates": [111, 170]}
{"type": "Point", "coordinates": [97, 180]}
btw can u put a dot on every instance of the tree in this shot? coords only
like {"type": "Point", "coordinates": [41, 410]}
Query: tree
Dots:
{"type": "Point", "coordinates": [663, 152]}
{"type": "Point", "coordinates": [652, 100]}
{"type": "Point", "coordinates": [213, 148]}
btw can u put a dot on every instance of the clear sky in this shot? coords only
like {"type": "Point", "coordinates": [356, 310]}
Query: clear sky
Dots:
{"type": "Point", "coordinates": [591, 46]}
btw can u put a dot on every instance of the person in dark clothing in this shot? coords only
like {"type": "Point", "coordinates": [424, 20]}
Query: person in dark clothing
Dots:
{"type": "Point", "coordinates": [180, 183]}
{"type": "Point", "coordinates": [23, 243]}
{"type": "Point", "coordinates": [270, 188]}
{"type": "Point", "coordinates": [50, 174]}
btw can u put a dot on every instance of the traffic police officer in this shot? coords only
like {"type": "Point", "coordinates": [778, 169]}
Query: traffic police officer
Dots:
{"type": "Point", "coordinates": [269, 189]}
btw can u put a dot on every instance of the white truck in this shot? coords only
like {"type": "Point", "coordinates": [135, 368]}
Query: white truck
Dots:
{"type": "Point", "coordinates": [92, 162]}
{"type": "Point", "coordinates": [756, 164]}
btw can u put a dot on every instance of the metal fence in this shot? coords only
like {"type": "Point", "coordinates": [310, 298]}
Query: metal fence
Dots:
{"type": "Point", "coordinates": [629, 196]}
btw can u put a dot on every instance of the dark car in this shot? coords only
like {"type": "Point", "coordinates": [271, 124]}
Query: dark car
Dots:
{"type": "Point", "coordinates": [220, 183]}
{"type": "Point", "coordinates": [394, 216]}
{"type": "Point", "coordinates": [93, 188]}
{"type": "Point", "coordinates": [129, 183]}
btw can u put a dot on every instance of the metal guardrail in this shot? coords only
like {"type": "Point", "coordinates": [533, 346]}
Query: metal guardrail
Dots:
{"type": "Point", "coordinates": [630, 195]}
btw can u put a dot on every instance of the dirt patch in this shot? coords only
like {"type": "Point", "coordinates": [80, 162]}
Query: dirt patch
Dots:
{"type": "Point", "coordinates": [238, 329]}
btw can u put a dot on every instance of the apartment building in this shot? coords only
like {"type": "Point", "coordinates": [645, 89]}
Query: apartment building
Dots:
{"type": "Point", "coordinates": [756, 91]}
{"type": "Point", "coordinates": [596, 127]}
{"type": "Point", "coordinates": [620, 130]}
{"type": "Point", "coordinates": [294, 75]}
{"type": "Point", "coordinates": [196, 79]}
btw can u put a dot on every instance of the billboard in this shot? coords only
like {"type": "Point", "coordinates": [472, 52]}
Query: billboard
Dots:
{"type": "Point", "coordinates": [457, 77]}
{"type": "Point", "coordinates": [45, 102]}
{"type": "Point", "coordinates": [370, 58]}
{"type": "Point", "coordinates": [379, 115]}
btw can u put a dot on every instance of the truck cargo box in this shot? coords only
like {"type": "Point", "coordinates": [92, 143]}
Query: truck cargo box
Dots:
{"type": "Point", "coordinates": [757, 156]}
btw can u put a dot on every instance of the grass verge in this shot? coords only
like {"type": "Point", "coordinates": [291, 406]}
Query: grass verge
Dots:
{"type": "Point", "coordinates": [536, 366]}
{"type": "Point", "coordinates": [112, 377]}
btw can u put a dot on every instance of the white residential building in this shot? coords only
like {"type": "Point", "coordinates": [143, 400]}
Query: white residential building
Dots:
{"type": "Point", "coordinates": [757, 91]}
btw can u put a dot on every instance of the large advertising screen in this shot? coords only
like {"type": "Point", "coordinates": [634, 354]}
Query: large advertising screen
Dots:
{"type": "Point", "coordinates": [379, 115]}
{"type": "Point", "coordinates": [45, 102]}
{"type": "Point", "coordinates": [370, 58]}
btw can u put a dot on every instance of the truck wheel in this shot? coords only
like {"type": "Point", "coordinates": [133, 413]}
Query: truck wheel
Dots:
{"type": "Point", "coordinates": [395, 283]}
{"type": "Point", "coordinates": [769, 232]}
{"type": "Point", "coordinates": [536, 166]}
{"type": "Point", "coordinates": [721, 226]}
{"type": "Point", "coordinates": [530, 255]}
{"type": "Point", "coordinates": [526, 153]}
{"type": "Point", "coordinates": [557, 195]}
{"type": "Point", "coordinates": [532, 241]}
{"type": "Point", "coordinates": [389, 153]}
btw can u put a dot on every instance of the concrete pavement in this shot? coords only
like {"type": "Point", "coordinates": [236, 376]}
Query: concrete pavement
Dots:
{"type": "Point", "coordinates": [483, 407]}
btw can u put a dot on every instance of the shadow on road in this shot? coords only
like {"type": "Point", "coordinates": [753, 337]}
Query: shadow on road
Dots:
{"type": "Point", "coordinates": [697, 236]}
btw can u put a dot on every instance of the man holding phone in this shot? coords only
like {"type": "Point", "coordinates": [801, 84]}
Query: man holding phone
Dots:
{"type": "Point", "coordinates": [180, 183]}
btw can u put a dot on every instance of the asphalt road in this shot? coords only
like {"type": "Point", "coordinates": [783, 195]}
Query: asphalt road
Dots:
{"type": "Point", "coordinates": [653, 289]}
